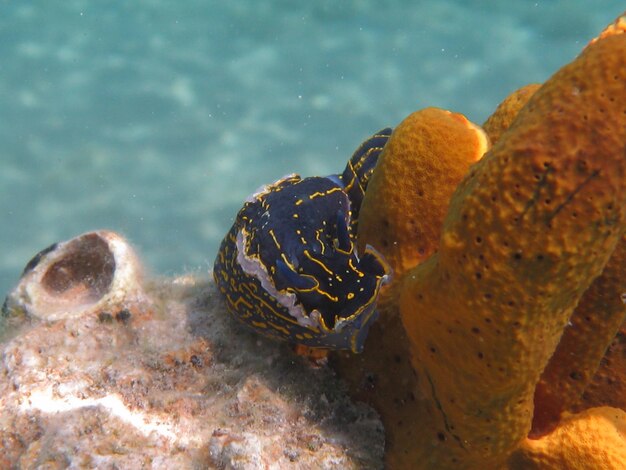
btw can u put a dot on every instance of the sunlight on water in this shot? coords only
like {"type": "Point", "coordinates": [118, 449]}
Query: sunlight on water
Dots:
{"type": "Point", "coordinates": [157, 118]}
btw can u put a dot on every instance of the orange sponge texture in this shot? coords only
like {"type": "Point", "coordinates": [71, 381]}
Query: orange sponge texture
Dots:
{"type": "Point", "coordinates": [408, 195]}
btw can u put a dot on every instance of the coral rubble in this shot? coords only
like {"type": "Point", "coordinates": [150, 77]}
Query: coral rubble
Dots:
{"type": "Point", "coordinates": [165, 380]}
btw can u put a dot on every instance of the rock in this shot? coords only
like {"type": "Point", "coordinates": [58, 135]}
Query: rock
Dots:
{"type": "Point", "coordinates": [165, 378]}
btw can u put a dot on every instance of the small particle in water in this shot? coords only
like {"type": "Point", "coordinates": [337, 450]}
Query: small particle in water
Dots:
{"type": "Point", "coordinates": [623, 297]}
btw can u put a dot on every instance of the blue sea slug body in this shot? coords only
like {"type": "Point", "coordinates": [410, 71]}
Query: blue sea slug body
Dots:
{"type": "Point", "coordinates": [289, 266]}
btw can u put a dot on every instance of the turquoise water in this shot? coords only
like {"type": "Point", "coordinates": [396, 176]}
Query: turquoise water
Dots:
{"type": "Point", "coordinates": [157, 118]}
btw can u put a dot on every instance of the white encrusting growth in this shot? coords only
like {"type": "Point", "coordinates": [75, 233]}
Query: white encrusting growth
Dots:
{"type": "Point", "coordinates": [45, 401]}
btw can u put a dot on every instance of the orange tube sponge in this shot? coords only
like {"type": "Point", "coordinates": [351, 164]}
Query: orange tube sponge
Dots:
{"type": "Point", "coordinates": [422, 163]}
{"type": "Point", "coordinates": [608, 385]}
{"type": "Point", "coordinates": [591, 328]}
{"type": "Point", "coordinates": [506, 112]}
{"type": "Point", "coordinates": [527, 231]}
{"type": "Point", "coordinates": [593, 439]}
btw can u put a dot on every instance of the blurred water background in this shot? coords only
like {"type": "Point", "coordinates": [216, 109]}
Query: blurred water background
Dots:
{"type": "Point", "coordinates": [156, 118]}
